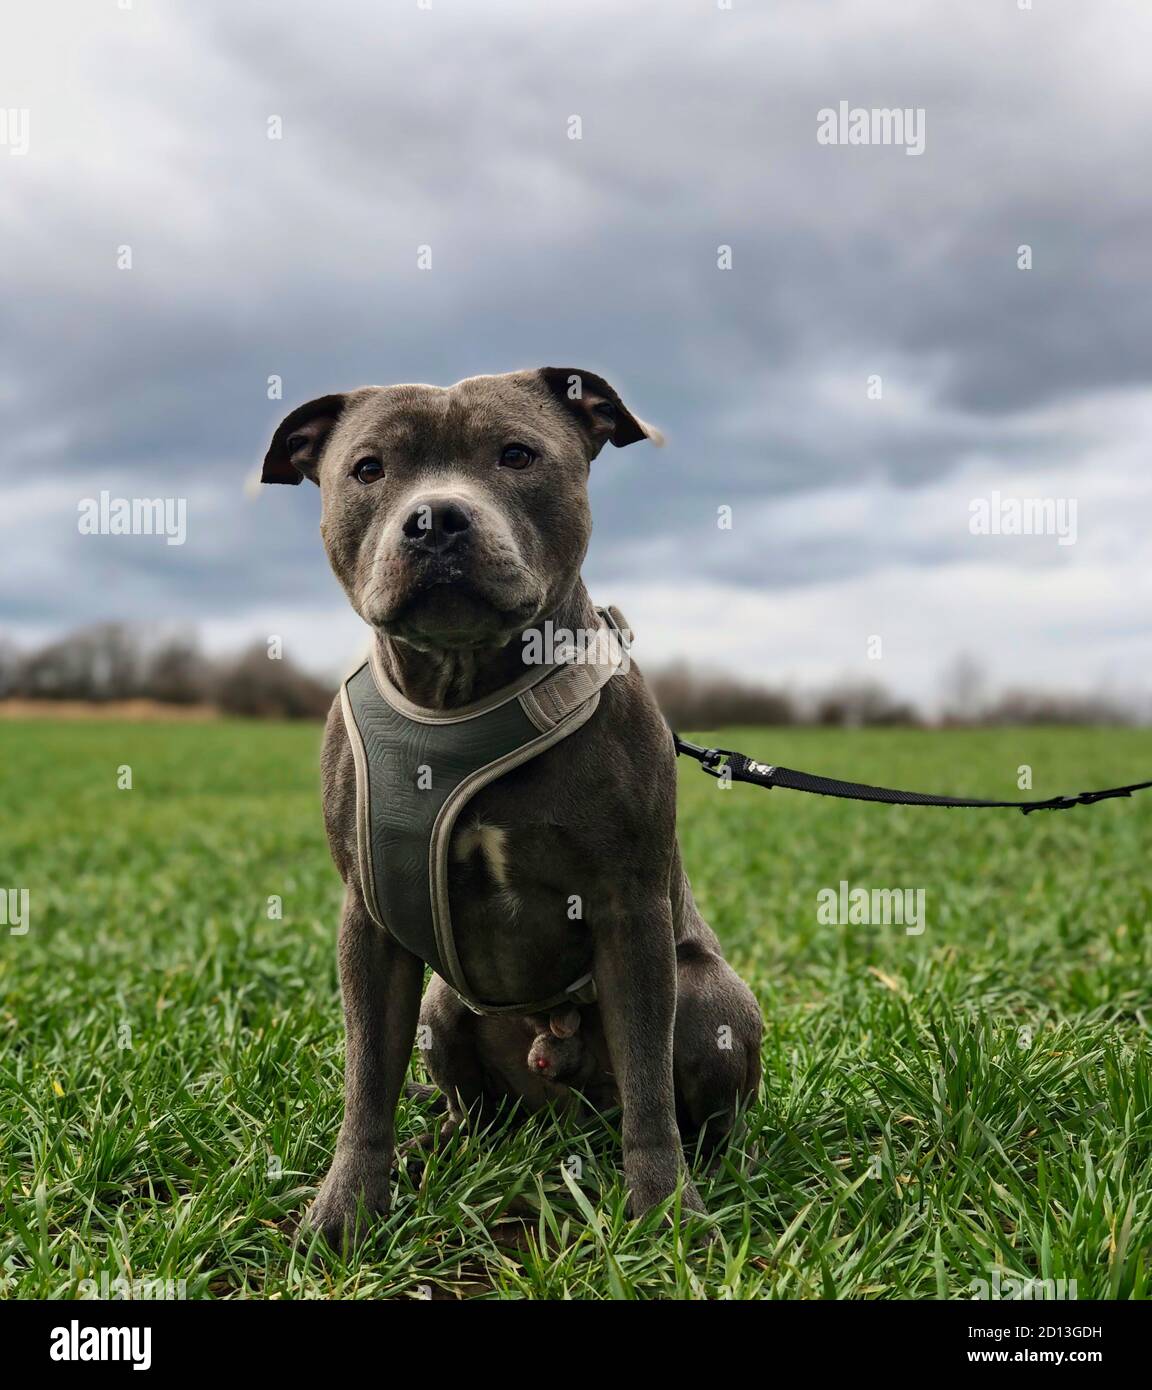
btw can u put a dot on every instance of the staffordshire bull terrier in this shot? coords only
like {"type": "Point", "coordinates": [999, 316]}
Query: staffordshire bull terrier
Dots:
{"type": "Point", "coordinates": [456, 519]}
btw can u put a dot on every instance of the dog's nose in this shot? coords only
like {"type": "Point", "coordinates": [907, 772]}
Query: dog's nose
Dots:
{"type": "Point", "coordinates": [437, 524]}
{"type": "Point", "coordinates": [542, 1063]}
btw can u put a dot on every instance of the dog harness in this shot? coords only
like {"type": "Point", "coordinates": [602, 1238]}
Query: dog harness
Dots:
{"type": "Point", "coordinates": [417, 769]}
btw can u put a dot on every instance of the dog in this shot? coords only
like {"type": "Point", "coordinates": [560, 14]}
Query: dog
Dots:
{"type": "Point", "coordinates": [457, 519]}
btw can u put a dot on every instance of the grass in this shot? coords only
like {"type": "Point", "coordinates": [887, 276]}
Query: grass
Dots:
{"type": "Point", "coordinates": [978, 1096]}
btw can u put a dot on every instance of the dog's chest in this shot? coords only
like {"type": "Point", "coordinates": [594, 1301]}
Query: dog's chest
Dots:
{"type": "Point", "coordinates": [518, 905]}
{"type": "Point", "coordinates": [460, 833]}
{"type": "Point", "coordinates": [522, 873]}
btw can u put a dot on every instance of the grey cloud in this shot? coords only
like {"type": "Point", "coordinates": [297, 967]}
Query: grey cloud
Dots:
{"type": "Point", "coordinates": [447, 126]}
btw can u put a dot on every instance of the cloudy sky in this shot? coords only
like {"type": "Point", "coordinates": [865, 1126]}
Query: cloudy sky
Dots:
{"type": "Point", "coordinates": [874, 361]}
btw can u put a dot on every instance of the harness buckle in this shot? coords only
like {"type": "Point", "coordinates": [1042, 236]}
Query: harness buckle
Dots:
{"type": "Point", "coordinates": [615, 623]}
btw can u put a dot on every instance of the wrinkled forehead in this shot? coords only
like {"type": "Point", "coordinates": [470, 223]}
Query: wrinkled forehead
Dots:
{"type": "Point", "coordinates": [480, 409]}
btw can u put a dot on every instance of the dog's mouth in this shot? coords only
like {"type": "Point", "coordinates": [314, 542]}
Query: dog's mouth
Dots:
{"type": "Point", "coordinates": [466, 596]}
{"type": "Point", "coordinates": [445, 613]}
{"type": "Point", "coordinates": [446, 606]}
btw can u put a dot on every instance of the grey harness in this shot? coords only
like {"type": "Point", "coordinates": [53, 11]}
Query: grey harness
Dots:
{"type": "Point", "coordinates": [416, 770]}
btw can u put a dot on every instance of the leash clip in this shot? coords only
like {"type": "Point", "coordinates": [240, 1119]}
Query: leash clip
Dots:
{"type": "Point", "coordinates": [714, 760]}
{"type": "Point", "coordinates": [710, 759]}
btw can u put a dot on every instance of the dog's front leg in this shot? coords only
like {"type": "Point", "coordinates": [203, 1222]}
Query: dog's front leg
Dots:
{"type": "Point", "coordinates": [635, 969]}
{"type": "Point", "coordinates": [380, 982]}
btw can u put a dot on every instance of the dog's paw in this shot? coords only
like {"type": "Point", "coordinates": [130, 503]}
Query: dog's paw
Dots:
{"type": "Point", "coordinates": [352, 1196]}
{"type": "Point", "coordinates": [652, 1177]}
{"type": "Point", "coordinates": [691, 1217]}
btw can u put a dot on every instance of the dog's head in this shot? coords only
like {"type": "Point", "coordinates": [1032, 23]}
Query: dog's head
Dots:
{"type": "Point", "coordinates": [455, 517]}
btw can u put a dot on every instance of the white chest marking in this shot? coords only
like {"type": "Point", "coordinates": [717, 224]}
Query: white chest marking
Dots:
{"type": "Point", "coordinates": [492, 843]}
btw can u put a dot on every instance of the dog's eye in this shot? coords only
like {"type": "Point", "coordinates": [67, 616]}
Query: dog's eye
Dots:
{"type": "Point", "coordinates": [516, 456]}
{"type": "Point", "coordinates": [368, 470]}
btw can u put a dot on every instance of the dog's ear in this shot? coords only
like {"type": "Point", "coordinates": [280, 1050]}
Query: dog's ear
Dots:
{"type": "Point", "coordinates": [299, 441]}
{"type": "Point", "coordinates": [597, 408]}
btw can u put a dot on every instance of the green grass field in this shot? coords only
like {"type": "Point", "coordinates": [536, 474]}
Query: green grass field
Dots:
{"type": "Point", "coordinates": [935, 1106]}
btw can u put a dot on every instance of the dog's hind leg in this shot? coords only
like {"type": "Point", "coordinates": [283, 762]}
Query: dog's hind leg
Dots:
{"type": "Point", "coordinates": [456, 1053]}
{"type": "Point", "coordinates": [429, 1095]}
{"type": "Point", "coordinates": [448, 1048]}
{"type": "Point", "coordinates": [716, 1060]}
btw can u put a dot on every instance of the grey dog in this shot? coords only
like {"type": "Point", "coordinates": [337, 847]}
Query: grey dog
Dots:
{"type": "Point", "coordinates": [496, 468]}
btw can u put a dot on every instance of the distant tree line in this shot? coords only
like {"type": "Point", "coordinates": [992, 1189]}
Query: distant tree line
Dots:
{"type": "Point", "coordinates": [693, 699]}
{"type": "Point", "coordinates": [116, 662]}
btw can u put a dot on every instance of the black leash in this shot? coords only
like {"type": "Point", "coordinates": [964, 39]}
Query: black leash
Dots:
{"type": "Point", "coordinates": [724, 762]}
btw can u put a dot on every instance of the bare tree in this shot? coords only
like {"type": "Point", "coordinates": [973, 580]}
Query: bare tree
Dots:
{"type": "Point", "coordinates": [693, 700]}
{"type": "Point", "coordinates": [177, 671]}
{"type": "Point", "coordinates": [1051, 707]}
{"type": "Point", "coordinates": [858, 704]}
{"type": "Point", "coordinates": [257, 686]}
{"type": "Point", "coordinates": [98, 663]}
{"type": "Point", "coordinates": [964, 686]}
{"type": "Point", "coordinates": [9, 668]}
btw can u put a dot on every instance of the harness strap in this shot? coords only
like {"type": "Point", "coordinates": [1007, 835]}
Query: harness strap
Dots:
{"type": "Point", "coordinates": [581, 991]}
{"type": "Point", "coordinates": [737, 767]}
